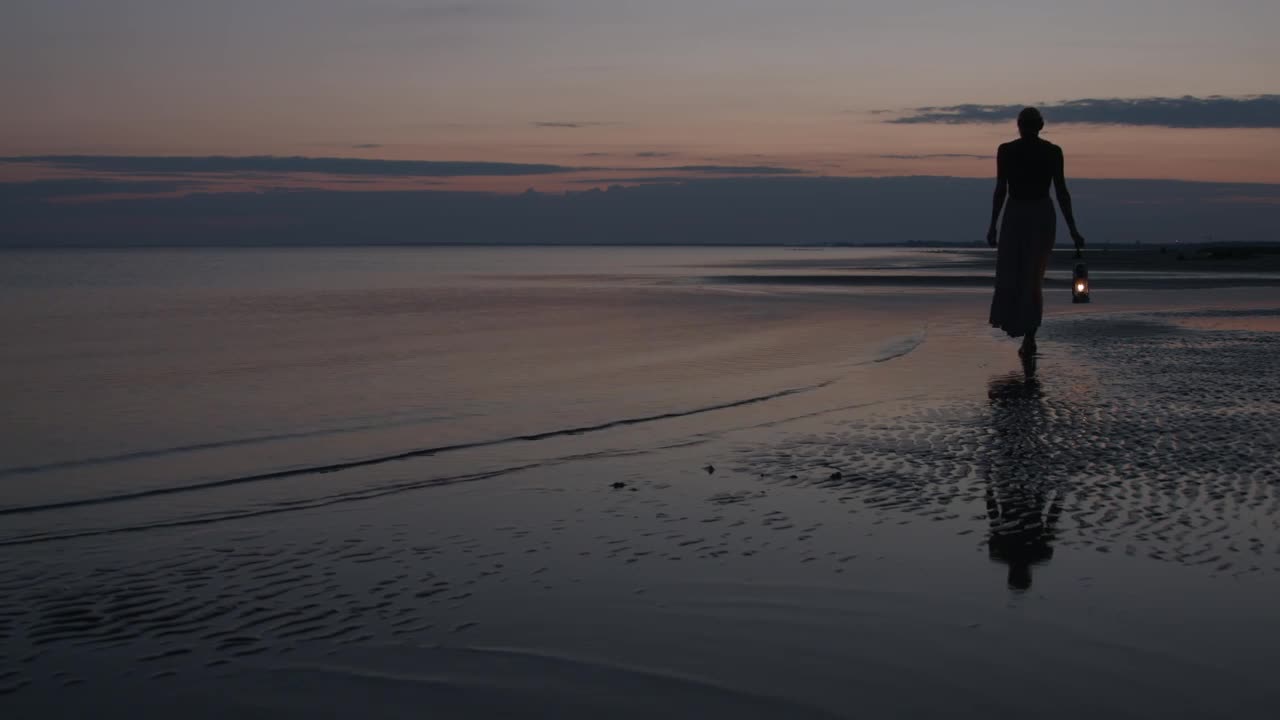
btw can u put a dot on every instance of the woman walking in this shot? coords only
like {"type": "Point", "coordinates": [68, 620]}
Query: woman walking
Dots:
{"type": "Point", "coordinates": [1024, 169]}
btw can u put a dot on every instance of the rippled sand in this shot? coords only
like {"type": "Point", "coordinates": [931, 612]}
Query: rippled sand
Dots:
{"type": "Point", "coordinates": [938, 534]}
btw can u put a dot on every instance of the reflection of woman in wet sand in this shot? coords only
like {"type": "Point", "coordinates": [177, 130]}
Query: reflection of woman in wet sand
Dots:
{"type": "Point", "coordinates": [1022, 513]}
{"type": "Point", "coordinates": [1024, 169]}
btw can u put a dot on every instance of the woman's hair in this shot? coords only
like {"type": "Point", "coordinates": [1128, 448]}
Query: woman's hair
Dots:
{"type": "Point", "coordinates": [1030, 121]}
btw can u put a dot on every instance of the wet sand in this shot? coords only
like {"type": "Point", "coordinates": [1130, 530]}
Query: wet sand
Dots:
{"type": "Point", "coordinates": [935, 534]}
{"type": "Point", "coordinates": [1183, 267]}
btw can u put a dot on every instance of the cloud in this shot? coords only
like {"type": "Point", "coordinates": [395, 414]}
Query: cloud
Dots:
{"type": "Point", "coordinates": [933, 156]}
{"type": "Point", "coordinates": [738, 210]}
{"type": "Point", "coordinates": [238, 166]}
{"type": "Point", "coordinates": [653, 154]}
{"type": "Point", "coordinates": [367, 146]}
{"type": "Point", "coordinates": [1215, 111]}
{"type": "Point", "coordinates": [569, 124]}
{"type": "Point", "coordinates": [80, 187]}
{"type": "Point", "coordinates": [121, 174]}
{"type": "Point", "coordinates": [733, 169]}
{"type": "Point", "coordinates": [638, 179]}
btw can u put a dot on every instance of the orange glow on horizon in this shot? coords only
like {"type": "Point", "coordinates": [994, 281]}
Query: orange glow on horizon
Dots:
{"type": "Point", "coordinates": [831, 147]}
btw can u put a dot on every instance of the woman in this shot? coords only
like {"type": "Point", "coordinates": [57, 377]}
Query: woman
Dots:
{"type": "Point", "coordinates": [1024, 169]}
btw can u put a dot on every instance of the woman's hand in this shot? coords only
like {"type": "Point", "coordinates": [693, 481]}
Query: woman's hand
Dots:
{"type": "Point", "coordinates": [991, 236]}
{"type": "Point", "coordinates": [1077, 238]}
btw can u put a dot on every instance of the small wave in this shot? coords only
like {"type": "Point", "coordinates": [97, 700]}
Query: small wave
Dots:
{"type": "Point", "coordinates": [900, 347]}
{"type": "Point", "coordinates": [406, 455]}
{"type": "Point", "coordinates": [366, 493]}
{"type": "Point", "coordinates": [211, 445]}
{"type": "Point", "coordinates": [290, 506]}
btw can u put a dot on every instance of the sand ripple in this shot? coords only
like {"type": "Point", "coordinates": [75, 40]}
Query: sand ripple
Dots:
{"type": "Point", "coordinates": [1163, 447]}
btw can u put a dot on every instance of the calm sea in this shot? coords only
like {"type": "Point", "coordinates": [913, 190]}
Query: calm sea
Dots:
{"type": "Point", "coordinates": [708, 482]}
{"type": "Point", "coordinates": [134, 374]}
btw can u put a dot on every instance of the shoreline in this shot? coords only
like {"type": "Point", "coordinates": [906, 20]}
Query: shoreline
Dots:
{"type": "Point", "coordinates": [915, 511]}
{"type": "Point", "coordinates": [749, 588]}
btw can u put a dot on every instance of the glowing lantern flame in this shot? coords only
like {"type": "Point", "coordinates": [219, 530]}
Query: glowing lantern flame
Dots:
{"type": "Point", "coordinates": [1080, 282]}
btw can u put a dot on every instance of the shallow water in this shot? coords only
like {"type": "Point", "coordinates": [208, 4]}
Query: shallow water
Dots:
{"type": "Point", "coordinates": [129, 373]}
{"type": "Point", "coordinates": [259, 483]}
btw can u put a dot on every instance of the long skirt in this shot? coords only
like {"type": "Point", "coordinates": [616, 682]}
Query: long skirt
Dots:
{"type": "Point", "coordinates": [1026, 238]}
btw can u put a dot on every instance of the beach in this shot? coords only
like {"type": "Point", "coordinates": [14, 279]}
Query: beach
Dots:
{"type": "Point", "coordinates": [627, 482]}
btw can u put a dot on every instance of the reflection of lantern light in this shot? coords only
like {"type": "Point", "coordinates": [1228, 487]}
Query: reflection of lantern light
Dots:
{"type": "Point", "coordinates": [1080, 284]}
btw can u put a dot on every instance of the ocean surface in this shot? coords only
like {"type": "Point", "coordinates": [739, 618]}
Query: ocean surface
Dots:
{"type": "Point", "coordinates": [632, 482]}
{"type": "Point", "coordinates": [130, 375]}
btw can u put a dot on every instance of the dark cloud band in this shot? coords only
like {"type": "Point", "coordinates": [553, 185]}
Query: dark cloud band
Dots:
{"type": "Point", "coordinates": [1257, 111]}
{"type": "Point", "coordinates": [265, 166]}
{"type": "Point", "coordinates": [733, 169]}
{"type": "Point", "coordinates": [737, 211]}
{"type": "Point", "coordinates": [934, 156]}
{"type": "Point", "coordinates": [218, 165]}
{"type": "Point", "coordinates": [86, 187]}
{"type": "Point", "coordinates": [570, 124]}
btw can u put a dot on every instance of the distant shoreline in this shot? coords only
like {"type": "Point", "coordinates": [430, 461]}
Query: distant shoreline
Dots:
{"type": "Point", "coordinates": [1261, 248]}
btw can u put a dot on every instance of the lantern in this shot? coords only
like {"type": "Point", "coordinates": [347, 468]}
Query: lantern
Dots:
{"type": "Point", "coordinates": [1080, 283]}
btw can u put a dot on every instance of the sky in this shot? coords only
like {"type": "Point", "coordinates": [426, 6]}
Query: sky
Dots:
{"type": "Point", "coordinates": [559, 95]}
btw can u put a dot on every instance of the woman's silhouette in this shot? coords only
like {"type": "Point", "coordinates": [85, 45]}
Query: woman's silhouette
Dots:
{"type": "Point", "coordinates": [1024, 169]}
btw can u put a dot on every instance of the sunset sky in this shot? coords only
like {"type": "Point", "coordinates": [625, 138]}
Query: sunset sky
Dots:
{"type": "Point", "coordinates": [682, 88]}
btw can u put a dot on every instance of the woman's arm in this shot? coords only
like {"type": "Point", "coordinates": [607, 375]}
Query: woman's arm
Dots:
{"type": "Point", "coordinates": [1064, 197]}
{"type": "Point", "coordinates": [997, 200]}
